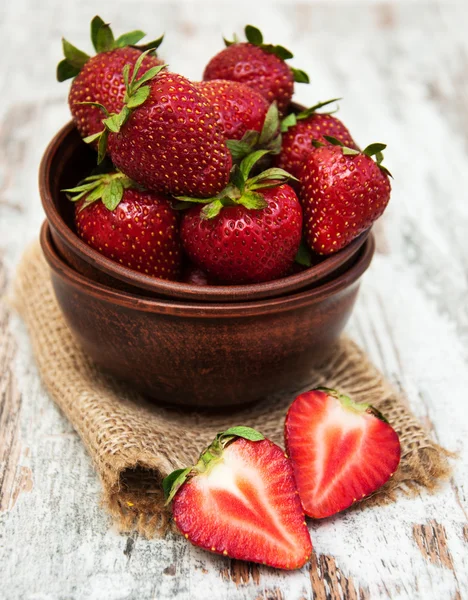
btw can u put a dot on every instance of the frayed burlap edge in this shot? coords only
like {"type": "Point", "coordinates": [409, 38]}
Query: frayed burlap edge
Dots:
{"type": "Point", "coordinates": [134, 444]}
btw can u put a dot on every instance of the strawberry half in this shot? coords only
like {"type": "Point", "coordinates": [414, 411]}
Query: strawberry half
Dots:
{"type": "Point", "coordinates": [128, 224]}
{"type": "Point", "coordinates": [240, 500]}
{"type": "Point", "coordinates": [99, 78]}
{"type": "Point", "coordinates": [342, 192]}
{"type": "Point", "coordinates": [258, 65]}
{"type": "Point", "coordinates": [299, 130]}
{"type": "Point", "coordinates": [341, 451]}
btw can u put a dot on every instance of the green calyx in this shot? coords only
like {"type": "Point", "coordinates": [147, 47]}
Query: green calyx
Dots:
{"type": "Point", "coordinates": [103, 41]}
{"type": "Point", "coordinates": [292, 119]}
{"type": "Point", "coordinates": [356, 407]}
{"type": "Point", "coordinates": [241, 189]}
{"type": "Point", "coordinates": [107, 187]}
{"type": "Point", "coordinates": [135, 95]}
{"type": "Point", "coordinates": [268, 139]}
{"type": "Point", "coordinates": [304, 255]}
{"type": "Point", "coordinates": [374, 151]}
{"type": "Point", "coordinates": [208, 458]}
{"type": "Point", "coordinates": [255, 37]}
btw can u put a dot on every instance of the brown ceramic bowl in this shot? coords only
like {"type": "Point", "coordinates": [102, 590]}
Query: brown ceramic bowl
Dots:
{"type": "Point", "coordinates": [204, 354]}
{"type": "Point", "coordinates": [68, 159]}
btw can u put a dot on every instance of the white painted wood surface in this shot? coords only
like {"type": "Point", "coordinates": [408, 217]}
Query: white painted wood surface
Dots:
{"type": "Point", "coordinates": [402, 68]}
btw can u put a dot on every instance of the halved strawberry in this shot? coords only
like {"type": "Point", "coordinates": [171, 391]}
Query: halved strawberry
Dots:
{"type": "Point", "coordinates": [240, 500]}
{"type": "Point", "coordinates": [341, 451]}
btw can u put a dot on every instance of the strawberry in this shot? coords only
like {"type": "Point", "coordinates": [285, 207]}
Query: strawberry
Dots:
{"type": "Point", "coordinates": [258, 65]}
{"type": "Point", "coordinates": [342, 191]}
{"type": "Point", "coordinates": [166, 137]}
{"type": "Point", "coordinates": [128, 224]}
{"type": "Point", "coordinates": [240, 501]}
{"type": "Point", "coordinates": [250, 232]}
{"type": "Point", "coordinates": [249, 123]}
{"type": "Point", "coordinates": [195, 276]}
{"type": "Point", "coordinates": [99, 78]}
{"type": "Point", "coordinates": [341, 451]}
{"type": "Point", "coordinates": [299, 130]}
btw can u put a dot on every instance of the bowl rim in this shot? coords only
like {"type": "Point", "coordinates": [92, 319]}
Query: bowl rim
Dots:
{"type": "Point", "coordinates": [213, 310]}
{"type": "Point", "coordinates": [223, 293]}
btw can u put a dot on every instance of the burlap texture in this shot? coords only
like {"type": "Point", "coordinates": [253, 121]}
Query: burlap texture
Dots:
{"type": "Point", "coordinates": [135, 444]}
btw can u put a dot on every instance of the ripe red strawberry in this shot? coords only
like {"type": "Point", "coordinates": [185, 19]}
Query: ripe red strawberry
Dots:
{"type": "Point", "coordinates": [300, 130]}
{"type": "Point", "coordinates": [342, 191]}
{"type": "Point", "coordinates": [132, 226]}
{"type": "Point", "coordinates": [195, 276]}
{"type": "Point", "coordinates": [249, 123]}
{"type": "Point", "coordinates": [99, 78]}
{"type": "Point", "coordinates": [341, 451]}
{"type": "Point", "coordinates": [260, 66]}
{"type": "Point", "coordinates": [166, 136]}
{"type": "Point", "coordinates": [248, 234]}
{"type": "Point", "coordinates": [240, 500]}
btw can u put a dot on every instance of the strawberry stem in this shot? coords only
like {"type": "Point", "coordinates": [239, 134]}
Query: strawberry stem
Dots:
{"type": "Point", "coordinates": [208, 458]}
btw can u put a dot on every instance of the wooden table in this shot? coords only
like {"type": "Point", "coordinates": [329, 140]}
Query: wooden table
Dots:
{"type": "Point", "coordinates": [403, 71]}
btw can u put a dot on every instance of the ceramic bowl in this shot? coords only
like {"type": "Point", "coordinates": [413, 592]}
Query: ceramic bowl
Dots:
{"type": "Point", "coordinates": [68, 159]}
{"type": "Point", "coordinates": [205, 354]}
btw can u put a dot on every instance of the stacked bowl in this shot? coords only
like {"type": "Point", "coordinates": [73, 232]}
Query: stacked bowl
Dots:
{"type": "Point", "coordinates": [186, 344]}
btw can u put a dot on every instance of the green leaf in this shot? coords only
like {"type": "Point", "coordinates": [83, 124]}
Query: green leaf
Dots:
{"type": "Point", "coordinates": [317, 144]}
{"type": "Point", "coordinates": [252, 200]}
{"type": "Point", "coordinates": [270, 178]}
{"type": "Point", "coordinates": [139, 97]}
{"type": "Point", "coordinates": [104, 39]}
{"type": "Point", "coordinates": [237, 149]}
{"type": "Point", "coordinates": [350, 151]}
{"type": "Point", "coordinates": [91, 138]}
{"type": "Point", "coordinates": [271, 125]}
{"type": "Point", "coordinates": [373, 149]}
{"type": "Point", "coordinates": [102, 148]}
{"type": "Point", "coordinates": [253, 35]}
{"type": "Point", "coordinates": [173, 482]}
{"type": "Point", "coordinates": [313, 109]}
{"type": "Point", "coordinates": [288, 121]}
{"type": "Point", "coordinates": [237, 178]}
{"type": "Point", "coordinates": [281, 52]}
{"type": "Point", "coordinates": [84, 186]}
{"type": "Point", "coordinates": [304, 255]}
{"type": "Point", "coordinates": [244, 432]}
{"type": "Point", "coordinates": [300, 76]}
{"type": "Point", "coordinates": [129, 39]}
{"type": "Point", "coordinates": [240, 148]}
{"type": "Point", "coordinates": [333, 140]}
{"type": "Point", "coordinates": [126, 74]}
{"type": "Point", "coordinates": [66, 71]}
{"type": "Point", "coordinates": [385, 170]}
{"type": "Point", "coordinates": [97, 105]}
{"type": "Point", "coordinates": [76, 58]}
{"type": "Point", "coordinates": [115, 121]}
{"type": "Point", "coordinates": [250, 160]}
{"type": "Point", "coordinates": [96, 25]}
{"type": "Point", "coordinates": [151, 46]}
{"type": "Point", "coordinates": [211, 210]}
{"type": "Point", "coordinates": [195, 200]}
{"type": "Point", "coordinates": [112, 194]}
{"type": "Point", "coordinates": [150, 73]}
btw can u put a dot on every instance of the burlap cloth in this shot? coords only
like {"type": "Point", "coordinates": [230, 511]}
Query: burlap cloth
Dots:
{"type": "Point", "coordinates": [134, 444]}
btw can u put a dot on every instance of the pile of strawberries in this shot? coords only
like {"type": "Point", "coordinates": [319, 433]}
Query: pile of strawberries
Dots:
{"type": "Point", "coordinates": [219, 181]}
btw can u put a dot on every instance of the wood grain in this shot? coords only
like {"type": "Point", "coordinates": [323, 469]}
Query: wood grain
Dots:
{"type": "Point", "coordinates": [402, 68]}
